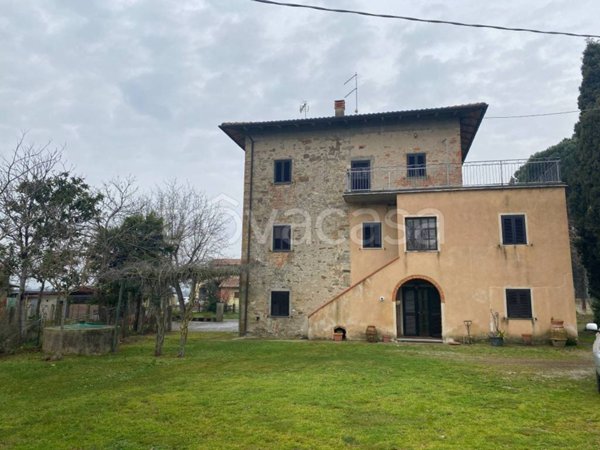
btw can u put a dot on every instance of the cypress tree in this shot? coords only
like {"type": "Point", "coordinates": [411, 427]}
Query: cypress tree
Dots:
{"type": "Point", "coordinates": [584, 198]}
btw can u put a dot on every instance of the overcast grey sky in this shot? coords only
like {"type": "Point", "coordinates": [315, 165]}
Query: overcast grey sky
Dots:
{"type": "Point", "coordinates": [139, 87]}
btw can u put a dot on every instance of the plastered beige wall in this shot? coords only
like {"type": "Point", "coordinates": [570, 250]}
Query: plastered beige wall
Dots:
{"type": "Point", "coordinates": [365, 260]}
{"type": "Point", "coordinates": [472, 268]}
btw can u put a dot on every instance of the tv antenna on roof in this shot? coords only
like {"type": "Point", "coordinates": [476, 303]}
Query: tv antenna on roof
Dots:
{"type": "Point", "coordinates": [355, 90]}
{"type": "Point", "coordinates": [304, 108]}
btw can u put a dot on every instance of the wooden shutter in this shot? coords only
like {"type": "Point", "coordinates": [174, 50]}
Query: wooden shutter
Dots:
{"type": "Point", "coordinates": [513, 230]}
{"type": "Point", "coordinates": [508, 236]}
{"type": "Point", "coordinates": [520, 237]}
{"type": "Point", "coordinates": [518, 304]}
{"type": "Point", "coordinates": [280, 303]}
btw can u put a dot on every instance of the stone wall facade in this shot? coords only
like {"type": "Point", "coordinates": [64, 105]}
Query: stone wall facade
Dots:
{"type": "Point", "coordinates": [320, 263]}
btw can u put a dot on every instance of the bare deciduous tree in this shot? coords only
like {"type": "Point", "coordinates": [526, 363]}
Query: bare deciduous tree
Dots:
{"type": "Point", "coordinates": [195, 230]}
{"type": "Point", "coordinates": [24, 158]}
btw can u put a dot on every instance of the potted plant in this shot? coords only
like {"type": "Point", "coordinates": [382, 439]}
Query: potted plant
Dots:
{"type": "Point", "coordinates": [496, 335]}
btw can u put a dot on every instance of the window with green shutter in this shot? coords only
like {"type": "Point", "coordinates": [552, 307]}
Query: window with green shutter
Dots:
{"type": "Point", "coordinates": [513, 229]}
{"type": "Point", "coordinates": [518, 304]}
{"type": "Point", "coordinates": [280, 303]}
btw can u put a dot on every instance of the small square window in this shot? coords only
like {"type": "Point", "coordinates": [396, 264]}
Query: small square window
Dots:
{"type": "Point", "coordinates": [513, 229]}
{"type": "Point", "coordinates": [282, 238]}
{"type": "Point", "coordinates": [282, 171]}
{"type": "Point", "coordinates": [421, 233]}
{"type": "Point", "coordinates": [518, 304]}
{"type": "Point", "coordinates": [416, 165]}
{"type": "Point", "coordinates": [280, 303]}
{"type": "Point", "coordinates": [371, 235]}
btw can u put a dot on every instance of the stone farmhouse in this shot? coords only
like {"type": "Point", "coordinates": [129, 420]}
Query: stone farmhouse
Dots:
{"type": "Point", "coordinates": [377, 220]}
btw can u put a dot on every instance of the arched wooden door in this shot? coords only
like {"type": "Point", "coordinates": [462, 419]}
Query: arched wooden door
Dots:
{"type": "Point", "coordinates": [419, 311]}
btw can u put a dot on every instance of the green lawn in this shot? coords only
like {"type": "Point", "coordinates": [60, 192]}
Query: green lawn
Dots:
{"type": "Point", "coordinates": [251, 394]}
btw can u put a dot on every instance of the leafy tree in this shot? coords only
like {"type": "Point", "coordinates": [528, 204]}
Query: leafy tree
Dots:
{"type": "Point", "coordinates": [120, 251]}
{"type": "Point", "coordinates": [23, 216]}
{"type": "Point", "coordinates": [71, 207]}
{"type": "Point", "coordinates": [579, 168]}
{"type": "Point", "coordinates": [563, 151]}
{"type": "Point", "coordinates": [212, 293]}
{"type": "Point", "coordinates": [584, 198]}
{"type": "Point", "coordinates": [589, 91]}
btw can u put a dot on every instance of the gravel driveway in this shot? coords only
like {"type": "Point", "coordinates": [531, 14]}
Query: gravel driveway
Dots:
{"type": "Point", "coordinates": [229, 325]}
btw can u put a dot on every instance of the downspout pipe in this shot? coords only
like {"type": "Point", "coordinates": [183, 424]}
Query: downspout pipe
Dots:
{"type": "Point", "coordinates": [248, 235]}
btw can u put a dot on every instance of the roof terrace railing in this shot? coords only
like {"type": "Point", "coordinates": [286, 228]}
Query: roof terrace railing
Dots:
{"type": "Point", "coordinates": [470, 174]}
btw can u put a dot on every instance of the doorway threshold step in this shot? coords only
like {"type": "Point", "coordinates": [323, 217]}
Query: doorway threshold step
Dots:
{"type": "Point", "coordinates": [420, 340]}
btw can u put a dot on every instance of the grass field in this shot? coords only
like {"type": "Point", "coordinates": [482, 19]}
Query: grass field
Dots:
{"type": "Point", "coordinates": [251, 394]}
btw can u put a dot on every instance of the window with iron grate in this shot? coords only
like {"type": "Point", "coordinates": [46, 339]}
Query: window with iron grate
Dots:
{"type": "Point", "coordinates": [421, 233]}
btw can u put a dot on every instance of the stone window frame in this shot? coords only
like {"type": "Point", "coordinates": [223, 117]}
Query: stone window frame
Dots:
{"type": "Point", "coordinates": [501, 218]}
{"type": "Point", "coordinates": [531, 303]}
{"type": "Point", "coordinates": [273, 249]}
{"type": "Point", "coordinates": [282, 160]}
{"type": "Point", "coordinates": [362, 240]}
{"type": "Point", "coordinates": [437, 234]}
{"type": "Point", "coordinates": [289, 292]}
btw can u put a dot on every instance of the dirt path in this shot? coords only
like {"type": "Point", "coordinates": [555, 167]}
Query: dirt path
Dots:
{"type": "Point", "coordinates": [573, 363]}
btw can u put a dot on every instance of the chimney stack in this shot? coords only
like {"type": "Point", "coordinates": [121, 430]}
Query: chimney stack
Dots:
{"type": "Point", "coordinates": [340, 107]}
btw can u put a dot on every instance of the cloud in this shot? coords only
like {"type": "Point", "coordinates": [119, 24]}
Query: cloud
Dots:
{"type": "Point", "coordinates": [139, 87]}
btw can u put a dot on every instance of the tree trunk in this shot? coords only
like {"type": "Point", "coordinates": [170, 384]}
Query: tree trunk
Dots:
{"type": "Point", "coordinates": [182, 314]}
{"type": "Point", "coordinates": [21, 308]}
{"type": "Point", "coordinates": [160, 326]}
{"type": "Point", "coordinates": [125, 320]}
{"type": "Point", "coordinates": [139, 319]}
{"type": "Point", "coordinates": [186, 315]}
{"type": "Point", "coordinates": [188, 312]}
{"type": "Point", "coordinates": [39, 303]}
{"type": "Point", "coordinates": [180, 298]}
{"type": "Point", "coordinates": [116, 330]}
{"type": "Point", "coordinates": [38, 308]}
{"type": "Point", "coordinates": [61, 335]}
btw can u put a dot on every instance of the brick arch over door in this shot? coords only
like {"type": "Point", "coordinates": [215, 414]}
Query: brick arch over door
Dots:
{"type": "Point", "coordinates": [419, 277]}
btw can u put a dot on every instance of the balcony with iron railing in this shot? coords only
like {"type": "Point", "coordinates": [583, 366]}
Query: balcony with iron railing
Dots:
{"type": "Point", "coordinates": [514, 172]}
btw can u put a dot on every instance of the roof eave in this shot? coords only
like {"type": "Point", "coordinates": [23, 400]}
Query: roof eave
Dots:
{"type": "Point", "coordinates": [238, 131]}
